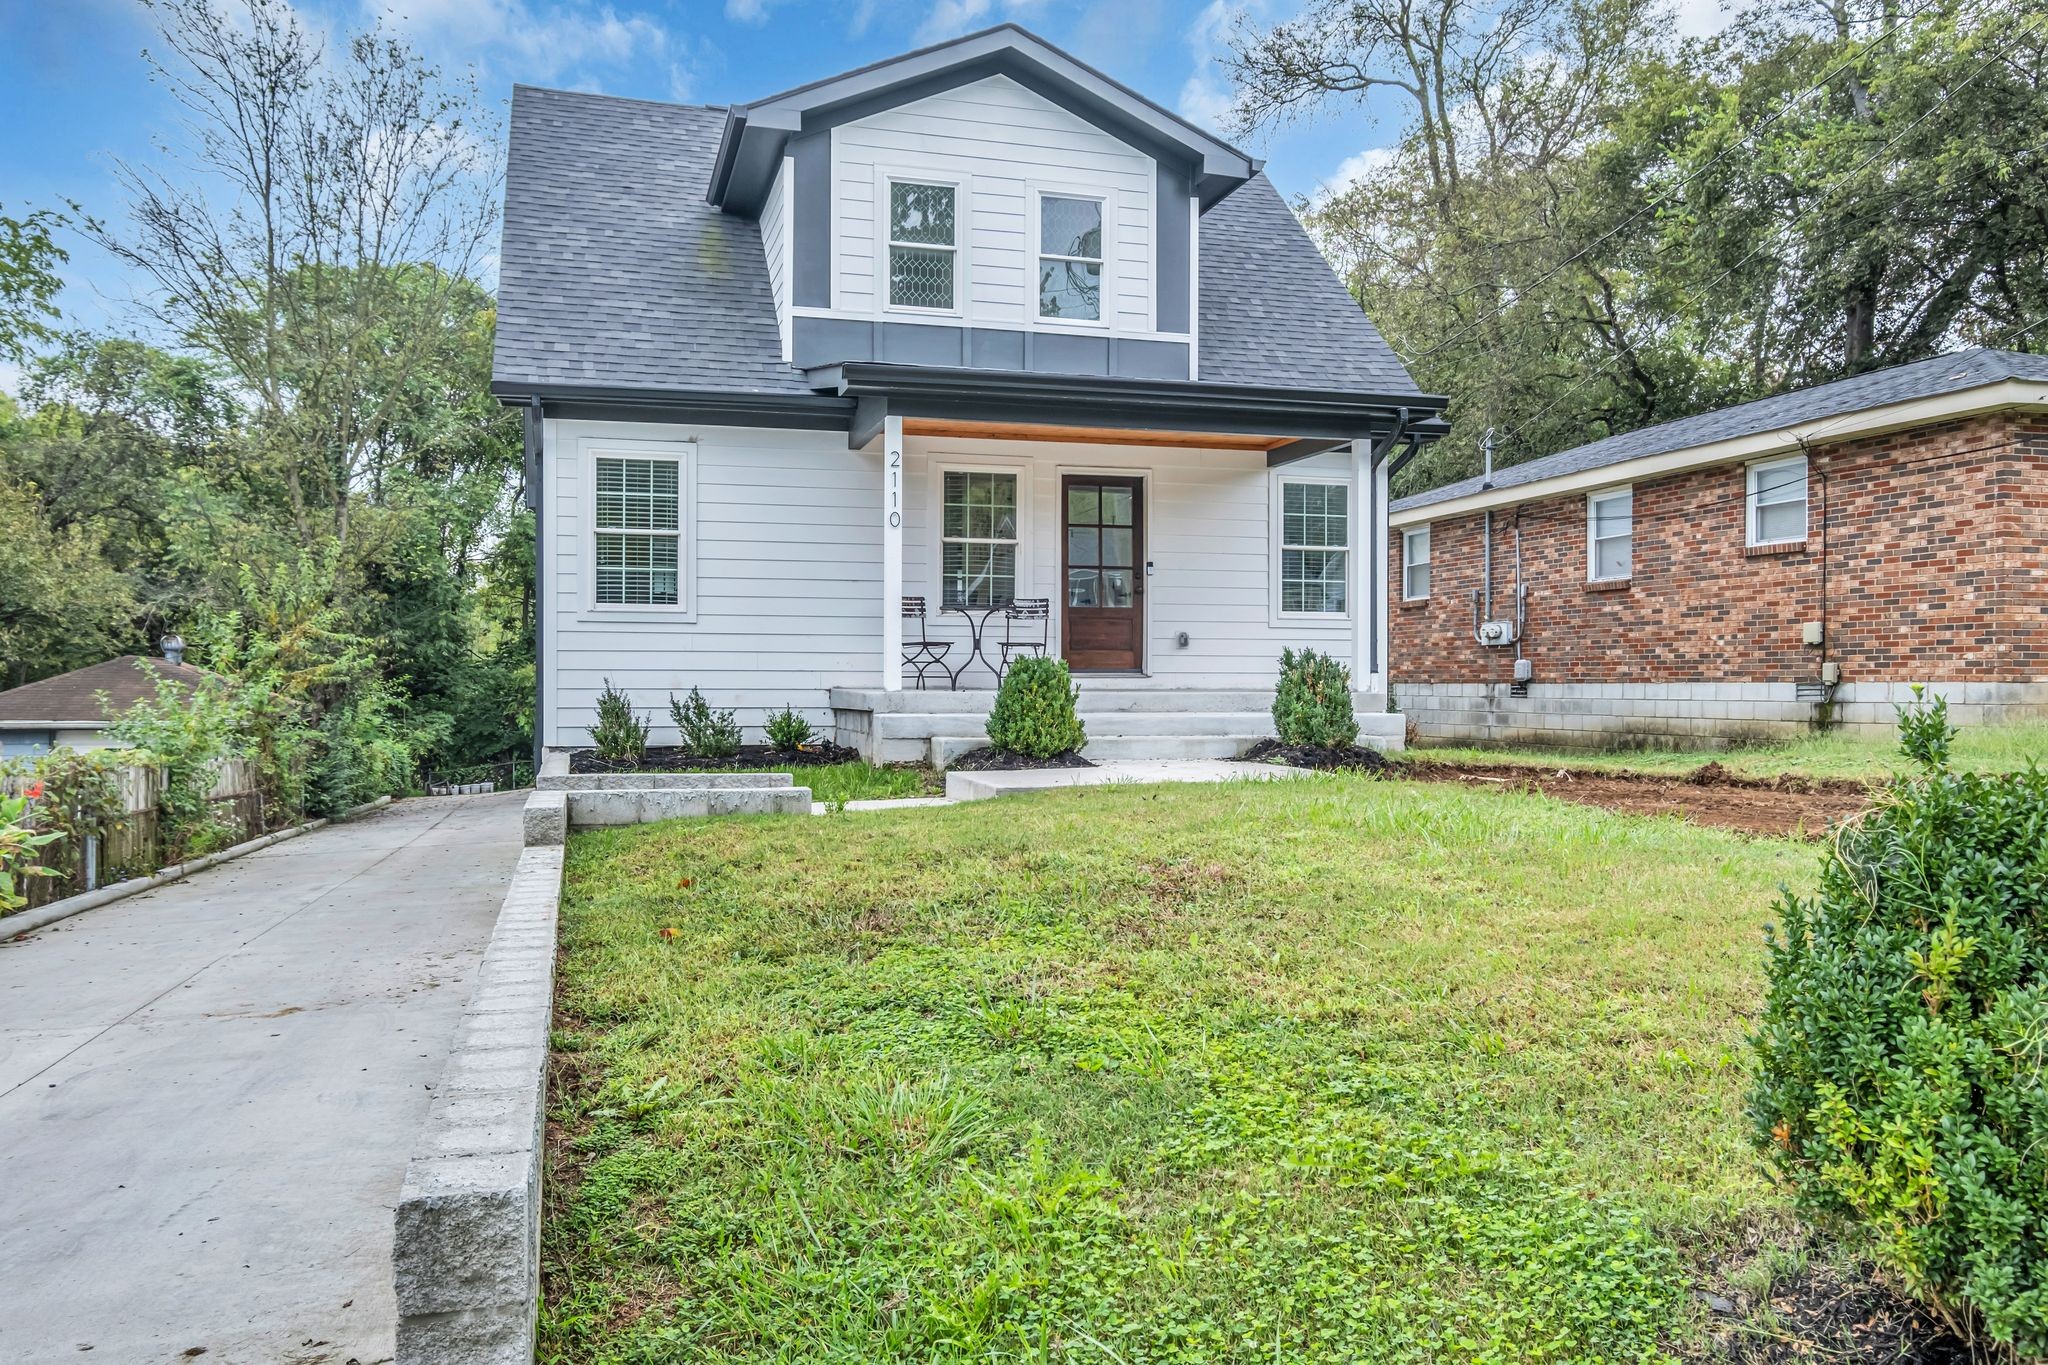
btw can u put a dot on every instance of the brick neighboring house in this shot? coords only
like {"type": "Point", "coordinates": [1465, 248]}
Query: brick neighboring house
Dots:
{"type": "Point", "coordinates": [1751, 573]}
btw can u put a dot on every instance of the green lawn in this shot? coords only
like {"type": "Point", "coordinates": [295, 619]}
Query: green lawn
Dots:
{"type": "Point", "coordinates": [2000, 748]}
{"type": "Point", "coordinates": [1319, 1070]}
{"type": "Point", "coordinates": [831, 782]}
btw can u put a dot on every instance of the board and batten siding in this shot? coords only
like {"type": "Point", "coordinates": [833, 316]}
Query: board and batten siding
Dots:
{"type": "Point", "coordinates": [1001, 143]}
{"type": "Point", "coordinates": [776, 246]}
{"type": "Point", "coordinates": [783, 556]}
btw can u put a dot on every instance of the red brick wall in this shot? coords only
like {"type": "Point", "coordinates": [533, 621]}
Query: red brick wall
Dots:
{"type": "Point", "coordinates": [1937, 567]}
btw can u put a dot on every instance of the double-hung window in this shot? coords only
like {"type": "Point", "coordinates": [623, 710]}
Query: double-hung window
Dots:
{"type": "Point", "coordinates": [638, 529]}
{"type": "Point", "coordinates": [1610, 534]}
{"type": "Point", "coordinates": [1315, 553]}
{"type": "Point", "coordinates": [923, 245]}
{"type": "Point", "coordinates": [1069, 258]}
{"type": "Point", "coordinates": [978, 538]}
{"type": "Point", "coordinates": [1415, 563]}
{"type": "Point", "coordinates": [1777, 502]}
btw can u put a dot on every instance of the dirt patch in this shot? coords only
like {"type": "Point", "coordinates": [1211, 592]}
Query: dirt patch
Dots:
{"type": "Point", "coordinates": [751, 758]}
{"type": "Point", "coordinates": [1825, 1314]}
{"type": "Point", "coordinates": [1347, 757]}
{"type": "Point", "coordinates": [1710, 795]}
{"type": "Point", "coordinates": [992, 760]}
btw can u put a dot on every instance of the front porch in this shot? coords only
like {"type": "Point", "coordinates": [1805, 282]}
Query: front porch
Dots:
{"type": "Point", "coordinates": [1126, 718]}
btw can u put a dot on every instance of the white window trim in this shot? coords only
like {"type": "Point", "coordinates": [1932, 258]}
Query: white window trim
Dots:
{"type": "Point", "coordinates": [1755, 480]}
{"type": "Point", "coordinates": [1276, 532]}
{"type": "Point", "coordinates": [1408, 533]}
{"type": "Point", "coordinates": [1593, 574]}
{"type": "Point", "coordinates": [1036, 229]}
{"type": "Point", "coordinates": [962, 232]}
{"type": "Point", "coordinates": [684, 455]}
{"type": "Point", "coordinates": [942, 465]}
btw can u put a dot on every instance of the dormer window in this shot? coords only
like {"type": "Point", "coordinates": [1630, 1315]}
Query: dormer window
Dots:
{"type": "Point", "coordinates": [922, 245]}
{"type": "Point", "coordinates": [1070, 258]}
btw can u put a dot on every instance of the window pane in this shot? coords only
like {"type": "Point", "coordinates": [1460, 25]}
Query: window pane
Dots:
{"type": "Point", "coordinates": [1415, 546]}
{"type": "Point", "coordinates": [1084, 504]}
{"type": "Point", "coordinates": [1415, 581]}
{"type": "Point", "coordinates": [921, 213]}
{"type": "Point", "coordinates": [1785, 483]}
{"type": "Point", "coordinates": [1781, 521]}
{"type": "Point", "coordinates": [1070, 227]}
{"type": "Point", "coordinates": [636, 569]}
{"type": "Point", "coordinates": [1084, 588]}
{"type": "Point", "coordinates": [1312, 580]}
{"type": "Point", "coordinates": [1116, 507]}
{"type": "Point", "coordinates": [1611, 515]}
{"type": "Point", "coordinates": [1116, 548]}
{"type": "Point", "coordinates": [1611, 557]}
{"type": "Point", "coordinates": [1312, 514]}
{"type": "Point", "coordinates": [920, 279]}
{"type": "Point", "coordinates": [1069, 289]}
{"type": "Point", "coordinates": [1084, 546]}
{"type": "Point", "coordinates": [637, 495]}
{"type": "Point", "coordinates": [978, 575]}
{"type": "Point", "coordinates": [1116, 587]}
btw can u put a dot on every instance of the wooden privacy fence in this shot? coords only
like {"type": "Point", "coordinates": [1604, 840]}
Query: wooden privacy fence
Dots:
{"type": "Point", "coordinates": [131, 844]}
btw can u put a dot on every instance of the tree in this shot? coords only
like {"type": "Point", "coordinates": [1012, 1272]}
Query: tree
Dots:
{"type": "Point", "coordinates": [62, 606]}
{"type": "Point", "coordinates": [29, 257]}
{"type": "Point", "coordinates": [319, 238]}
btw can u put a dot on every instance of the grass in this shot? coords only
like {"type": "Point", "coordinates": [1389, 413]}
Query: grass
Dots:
{"type": "Point", "coordinates": [1327, 1069]}
{"type": "Point", "coordinates": [1988, 749]}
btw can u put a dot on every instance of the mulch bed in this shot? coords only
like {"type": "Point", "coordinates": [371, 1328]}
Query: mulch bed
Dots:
{"type": "Point", "coordinates": [1823, 1314]}
{"type": "Point", "coordinates": [989, 760]}
{"type": "Point", "coordinates": [752, 758]}
{"type": "Point", "coordinates": [1346, 757]}
{"type": "Point", "coordinates": [1709, 795]}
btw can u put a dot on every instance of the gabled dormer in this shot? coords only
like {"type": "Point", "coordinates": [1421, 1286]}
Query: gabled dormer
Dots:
{"type": "Point", "coordinates": [989, 203]}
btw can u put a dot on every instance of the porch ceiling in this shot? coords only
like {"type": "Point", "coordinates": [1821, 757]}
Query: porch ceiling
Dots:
{"type": "Point", "coordinates": [1102, 436]}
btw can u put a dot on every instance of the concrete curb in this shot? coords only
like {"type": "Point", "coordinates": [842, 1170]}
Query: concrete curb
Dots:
{"type": "Point", "coordinates": [29, 921]}
{"type": "Point", "coordinates": [465, 1253]}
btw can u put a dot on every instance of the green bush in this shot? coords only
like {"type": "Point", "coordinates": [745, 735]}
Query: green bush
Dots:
{"type": "Point", "coordinates": [1034, 712]}
{"type": "Point", "coordinates": [1899, 1078]}
{"type": "Point", "coordinates": [788, 730]}
{"type": "Point", "coordinates": [705, 733]}
{"type": "Point", "coordinates": [1312, 705]}
{"type": "Point", "coordinates": [620, 735]}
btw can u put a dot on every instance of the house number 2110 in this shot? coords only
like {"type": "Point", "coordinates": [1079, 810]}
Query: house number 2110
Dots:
{"type": "Point", "coordinates": [895, 488]}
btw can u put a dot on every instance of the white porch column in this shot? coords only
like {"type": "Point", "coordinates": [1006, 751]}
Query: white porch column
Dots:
{"type": "Point", "coordinates": [892, 553]}
{"type": "Point", "coordinates": [1382, 591]}
{"type": "Point", "coordinates": [1365, 537]}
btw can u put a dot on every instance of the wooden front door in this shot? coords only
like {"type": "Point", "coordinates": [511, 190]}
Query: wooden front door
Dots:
{"type": "Point", "coordinates": [1103, 558]}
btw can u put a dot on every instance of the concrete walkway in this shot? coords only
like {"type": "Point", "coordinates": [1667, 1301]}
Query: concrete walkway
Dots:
{"type": "Point", "coordinates": [208, 1093]}
{"type": "Point", "coordinates": [981, 786]}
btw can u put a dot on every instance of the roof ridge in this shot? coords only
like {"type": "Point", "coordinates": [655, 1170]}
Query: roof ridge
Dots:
{"type": "Point", "coordinates": [518, 86]}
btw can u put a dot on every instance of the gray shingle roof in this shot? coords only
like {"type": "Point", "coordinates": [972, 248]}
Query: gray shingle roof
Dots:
{"type": "Point", "coordinates": [615, 273]}
{"type": "Point", "coordinates": [1896, 384]}
{"type": "Point", "coordinates": [74, 696]}
{"type": "Point", "coordinates": [1274, 313]}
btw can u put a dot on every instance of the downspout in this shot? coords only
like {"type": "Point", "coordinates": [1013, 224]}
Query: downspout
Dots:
{"type": "Point", "coordinates": [531, 432]}
{"type": "Point", "coordinates": [1376, 587]}
{"type": "Point", "coordinates": [1486, 547]}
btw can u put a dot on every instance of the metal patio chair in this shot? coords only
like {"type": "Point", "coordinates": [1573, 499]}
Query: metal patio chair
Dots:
{"type": "Point", "coordinates": [1026, 626]}
{"type": "Point", "coordinates": [924, 653]}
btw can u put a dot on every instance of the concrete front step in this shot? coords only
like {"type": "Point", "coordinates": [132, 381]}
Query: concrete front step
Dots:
{"type": "Point", "coordinates": [588, 782]}
{"type": "Point", "coordinates": [911, 725]}
{"type": "Point", "coordinates": [1094, 697]}
{"type": "Point", "coordinates": [943, 749]}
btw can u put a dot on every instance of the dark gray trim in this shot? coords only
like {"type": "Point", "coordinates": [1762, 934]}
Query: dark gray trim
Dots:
{"type": "Point", "coordinates": [808, 411]}
{"type": "Point", "coordinates": [868, 416]}
{"type": "Point", "coordinates": [1153, 405]}
{"type": "Point", "coordinates": [820, 342]}
{"type": "Point", "coordinates": [810, 221]}
{"type": "Point", "coordinates": [1172, 189]}
{"type": "Point", "coordinates": [533, 433]}
{"type": "Point", "coordinates": [1295, 451]}
{"type": "Point", "coordinates": [755, 133]}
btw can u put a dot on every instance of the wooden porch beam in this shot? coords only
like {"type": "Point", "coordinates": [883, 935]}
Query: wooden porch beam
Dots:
{"type": "Point", "coordinates": [1103, 436]}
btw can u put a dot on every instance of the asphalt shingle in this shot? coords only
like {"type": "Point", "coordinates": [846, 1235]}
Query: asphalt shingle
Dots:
{"type": "Point", "coordinates": [1896, 384]}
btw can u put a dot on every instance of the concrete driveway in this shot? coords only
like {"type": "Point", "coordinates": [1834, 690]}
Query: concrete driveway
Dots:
{"type": "Point", "coordinates": [208, 1093]}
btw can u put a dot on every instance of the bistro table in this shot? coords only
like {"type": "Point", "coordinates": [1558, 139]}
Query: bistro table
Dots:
{"type": "Point", "coordinates": [977, 628]}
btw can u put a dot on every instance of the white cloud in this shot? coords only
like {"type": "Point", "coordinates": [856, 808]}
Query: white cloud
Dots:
{"type": "Point", "coordinates": [543, 42]}
{"type": "Point", "coordinates": [951, 18]}
{"type": "Point", "coordinates": [1701, 18]}
{"type": "Point", "coordinates": [752, 12]}
{"type": "Point", "coordinates": [1206, 96]}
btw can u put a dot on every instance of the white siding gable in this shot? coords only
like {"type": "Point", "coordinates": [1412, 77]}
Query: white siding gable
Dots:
{"type": "Point", "coordinates": [1003, 145]}
{"type": "Point", "coordinates": [776, 244]}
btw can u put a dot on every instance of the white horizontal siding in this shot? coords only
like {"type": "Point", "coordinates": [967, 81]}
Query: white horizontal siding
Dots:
{"type": "Point", "coordinates": [1001, 142]}
{"type": "Point", "coordinates": [786, 555]}
{"type": "Point", "coordinates": [775, 245]}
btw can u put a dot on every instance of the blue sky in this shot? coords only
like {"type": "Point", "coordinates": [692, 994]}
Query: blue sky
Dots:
{"type": "Point", "coordinates": [75, 93]}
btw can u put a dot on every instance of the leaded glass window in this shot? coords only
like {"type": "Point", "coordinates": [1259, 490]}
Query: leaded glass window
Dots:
{"type": "Point", "coordinates": [978, 539]}
{"type": "Point", "coordinates": [1315, 540]}
{"type": "Point", "coordinates": [637, 524]}
{"type": "Point", "coordinates": [923, 245]}
{"type": "Point", "coordinates": [1070, 258]}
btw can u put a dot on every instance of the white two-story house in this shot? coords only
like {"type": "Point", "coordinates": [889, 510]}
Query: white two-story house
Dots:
{"type": "Point", "coordinates": [977, 330]}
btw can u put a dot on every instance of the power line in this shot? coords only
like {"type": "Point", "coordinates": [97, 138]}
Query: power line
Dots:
{"type": "Point", "coordinates": [1719, 157]}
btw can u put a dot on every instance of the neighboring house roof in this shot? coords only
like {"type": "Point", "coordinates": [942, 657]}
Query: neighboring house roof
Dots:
{"type": "Point", "coordinates": [71, 700]}
{"type": "Point", "coordinates": [1802, 413]}
{"type": "Point", "coordinates": [616, 274]}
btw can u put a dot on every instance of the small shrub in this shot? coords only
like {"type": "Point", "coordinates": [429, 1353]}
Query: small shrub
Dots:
{"type": "Point", "coordinates": [705, 733]}
{"type": "Point", "coordinates": [18, 845]}
{"type": "Point", "coordinates": [1034, 712]}
{"type": "Point", "coordinates": [1924, 732]}
{"type": "Point", "coordinates": [1312, 705]}
{"type": "Point", "coordinates": [1899, 1056]}
{"type": "Point", "coordinates": [788, 730]}
{"type": "Point", "coordinates": [620, 735]}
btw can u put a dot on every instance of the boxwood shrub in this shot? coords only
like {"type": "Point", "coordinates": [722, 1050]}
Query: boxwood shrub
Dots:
{"type": "Point", "coordinates": [1034, 711]}
{"type": "Point", "coordinates": [1312, 704]}
{"type": "Point", "coordinates": [1900, 1053]}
